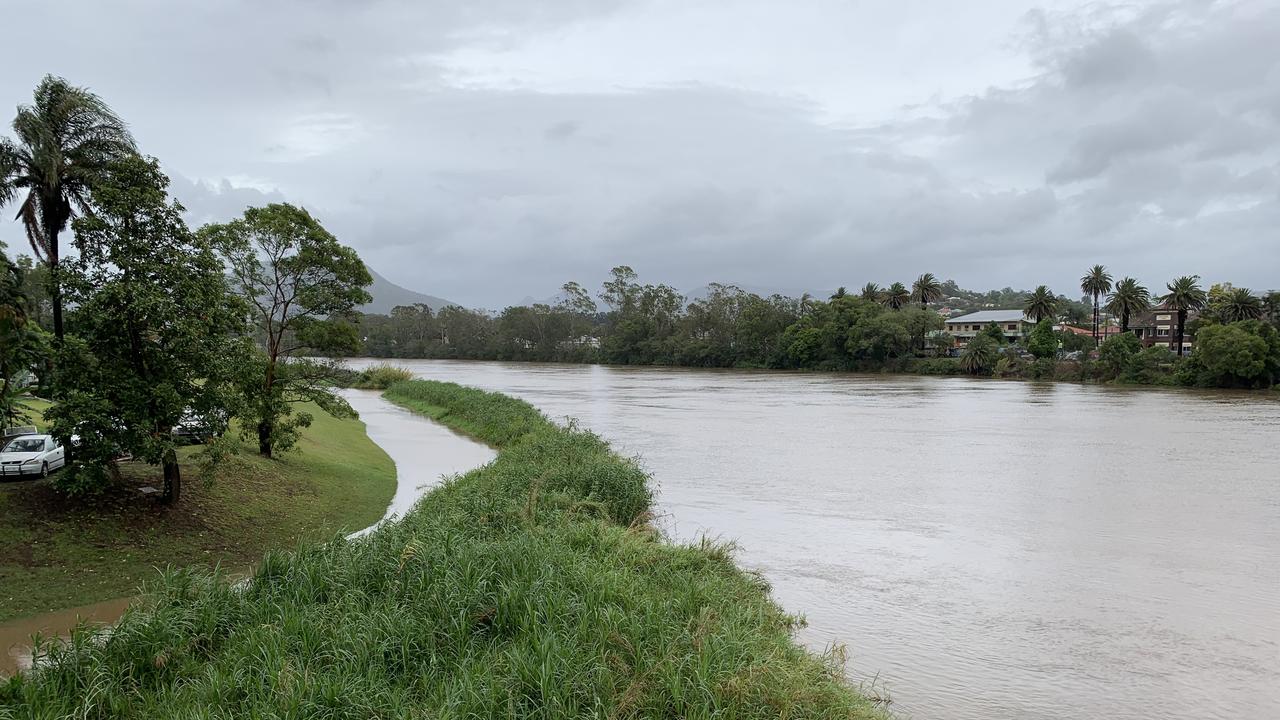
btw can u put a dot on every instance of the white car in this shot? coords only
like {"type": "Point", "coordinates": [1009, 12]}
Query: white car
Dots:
{"type": "Point", "coordinates": [31, 456]}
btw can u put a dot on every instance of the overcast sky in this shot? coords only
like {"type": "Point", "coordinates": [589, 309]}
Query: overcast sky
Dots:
{"type": "Point", "coordinates": [490, 150]}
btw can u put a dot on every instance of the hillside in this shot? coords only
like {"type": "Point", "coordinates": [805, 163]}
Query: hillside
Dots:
{"type": "Point", "coordinates": [387, 295]}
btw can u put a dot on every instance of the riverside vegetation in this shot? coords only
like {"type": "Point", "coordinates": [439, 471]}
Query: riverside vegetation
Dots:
{"type": "Point", "coordinates": [532, 587]}
{"type": "Point", "coordinates": [892, 329]}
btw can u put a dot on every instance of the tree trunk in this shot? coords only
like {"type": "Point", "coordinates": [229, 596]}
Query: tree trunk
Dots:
{"type": "Point", "coordinates": [1182, 323]}
{"type": "Point", "coordinates": [55, 282]}
{"type": "Point", "coordinates": [1124, 321]}
{"type": "Point", "coordinates": [264, 438]}
{"type": "Point", "coordinates": [172, 478]}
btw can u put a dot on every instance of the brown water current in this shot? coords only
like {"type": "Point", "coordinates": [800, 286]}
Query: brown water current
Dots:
{"type": "Point", "coordinates": [989, 549]}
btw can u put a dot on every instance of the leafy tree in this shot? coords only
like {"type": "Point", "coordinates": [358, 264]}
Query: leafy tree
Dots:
{"type": "Point", "coordinates": [1043, 342]}
{"type": "Point", "coordinates": [1238, 304]}
{"type": "Point", "coordinates": [1073, 342]}
{"type": "Point", "coordinates": [1117, 354]}
{"type": "Point", "coordinates": [65, 141]}
{"type": "Point", "coordinates": [154, 323]}
{"type": "Point", "coordinates": [21, 342]}
{"type": "Point", "coordinates": [870, 292]}
{"type": "Point", "coordinates": [980, 355]}
{"type": "Point", "coordinates": [896, 296]}
{"type": "Point", "coordinates": [993, 331]}
{"type": "Point", "coordinates": [1040, 304]}
{"type": "Point", "coordinates": [1095, 283]}
{"type": "Point", "coordinates": [1128, 299]}
{"type": "Point", "coordinates": [926, 289]}
{"type": "Point", "coordinates": [1243, 354]}
{"type": "Point", "coordinates": [300, 283]}
{"type": "Point", "coordinates": [1185, 295]}
{"type": "Point", "coordinates": [1271, 307]}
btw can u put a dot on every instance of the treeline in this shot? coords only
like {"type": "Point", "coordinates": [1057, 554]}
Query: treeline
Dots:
{"type": "Point", "coordinates": [150, 327]}
{"type": "Point", "coordinates": [893, 329]}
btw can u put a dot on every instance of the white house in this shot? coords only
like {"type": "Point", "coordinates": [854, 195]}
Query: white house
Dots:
{"type": "Point", "coordinates": [1013, 323]}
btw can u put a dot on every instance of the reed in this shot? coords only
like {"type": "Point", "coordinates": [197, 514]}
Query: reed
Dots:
{"type": "Point", "coordinates": [532, 587]}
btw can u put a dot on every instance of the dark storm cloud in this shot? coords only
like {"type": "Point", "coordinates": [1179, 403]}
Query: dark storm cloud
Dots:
{"type": "Point", "coordinates": [466, 151]}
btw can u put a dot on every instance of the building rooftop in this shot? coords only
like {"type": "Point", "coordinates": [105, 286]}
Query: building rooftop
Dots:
{"type": "Point", "coordinates": [990, 316]}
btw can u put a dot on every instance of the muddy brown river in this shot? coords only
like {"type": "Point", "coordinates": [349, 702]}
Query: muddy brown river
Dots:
{"type": "Point", "coordinates": [987, 549]}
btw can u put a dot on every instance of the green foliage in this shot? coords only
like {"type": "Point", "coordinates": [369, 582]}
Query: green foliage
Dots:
{"type": "Point", "coordinates": [1040, 304]}
{"type": "Point", "coordinates": [896, 296]}
{"type": "Point", "coordinates": [381, 377]}
{"type": "Point", "coordinates": [1128, 299]}
{"type": "Point", "coordinates": [993, 332]}
{"type": "Point", "coordinates": [1242, 354]}
{"type": "Point", "coordinates": [300, 284]}
{"type": "Point", "coordinates": [22, 344]}
{"type": "Point", "coordinates": [1153, 366]}
{"type": "Point", "coordinates": [531, 587]}
{"type": "Point", "coordinates": [1043, 341]}
{"type": "Point", "coordinates": [66, 140]}
{"type": "Point", "coordinates": [1072, 342]}
{"type": "Point", "coordinates": [980, 355]}
{"type": "Point", "coordinates": [1185, 295]}
{"type": "Point", "coordinates": [1117, 354]}
{"type": "Point", "coordinates": [153, 325]}
{"type": "Point", "coordinates": [926, 289]}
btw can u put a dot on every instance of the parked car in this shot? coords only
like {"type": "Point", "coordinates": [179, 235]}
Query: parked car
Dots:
{"type": "Point", "coordinates": [31, 456]}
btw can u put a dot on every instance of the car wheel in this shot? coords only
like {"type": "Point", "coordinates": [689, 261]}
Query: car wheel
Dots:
{"type": "Point", "coordinates": [44, 470]}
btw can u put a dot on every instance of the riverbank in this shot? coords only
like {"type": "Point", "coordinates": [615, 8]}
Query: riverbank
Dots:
{"type": "Point", "coordinates": [68, 553]}
{"type": "Point", "coordinates": [531, 587]}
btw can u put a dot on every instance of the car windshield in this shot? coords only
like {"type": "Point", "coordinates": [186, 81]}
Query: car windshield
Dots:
{"type": "Point", "coordinates": [25, 445]}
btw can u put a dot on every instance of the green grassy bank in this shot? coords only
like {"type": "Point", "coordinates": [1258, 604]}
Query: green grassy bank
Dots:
{"type": "Point", "coordinates": [62, 553]}
{"type": "Point", "coordinates": [532, 587]}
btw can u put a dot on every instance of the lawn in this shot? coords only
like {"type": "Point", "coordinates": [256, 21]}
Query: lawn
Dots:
{"type": "Point", "coordinates": [64, 553]}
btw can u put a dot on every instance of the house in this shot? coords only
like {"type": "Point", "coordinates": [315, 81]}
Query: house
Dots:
{"type": "Point", "coordinates": [1159, 325]}
{"type": "Point", "coordinates": [1104, 331]}
{"type": "Point", "coordinates": [1013, 323]}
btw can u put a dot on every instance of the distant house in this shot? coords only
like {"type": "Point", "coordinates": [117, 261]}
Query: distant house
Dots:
{"type": "Point", "coordinates": [1013, 323]}
{"type": "Point", "coordinates": [1159, 326]}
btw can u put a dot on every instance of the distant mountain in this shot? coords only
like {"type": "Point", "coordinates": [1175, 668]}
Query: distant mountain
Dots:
{"type": "Point", "coordinates": [387, 295]}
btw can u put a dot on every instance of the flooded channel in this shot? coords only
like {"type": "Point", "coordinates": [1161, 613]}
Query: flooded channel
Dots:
{"type": "Point", "coordinates": [987, 549]}
{"type": "Point", "coordinates": [423, 452]}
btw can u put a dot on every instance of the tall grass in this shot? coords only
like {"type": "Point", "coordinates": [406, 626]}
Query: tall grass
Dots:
{"type": "Point", "coordinates": [380, 377]}
{"type": "Point", "coordinates": [532, 587]}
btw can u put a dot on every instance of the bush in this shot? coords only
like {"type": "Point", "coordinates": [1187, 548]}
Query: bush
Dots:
{"type": "Point", "coordinates": [1243, 354]}
{"type": "Point", "coordinates": [381, 377]}
{"type": "Point", "coordinates": [1117, 354]}
{"type": "Point", "coordinates": [1043, 342]}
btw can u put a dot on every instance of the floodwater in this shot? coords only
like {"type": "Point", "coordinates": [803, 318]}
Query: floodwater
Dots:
{"type": "Point", "coordinates": [424, 453]}
{"type": "Point", "coordinates": [986, 549]}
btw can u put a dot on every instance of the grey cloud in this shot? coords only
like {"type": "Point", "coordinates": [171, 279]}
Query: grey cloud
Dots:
{"type": "Point", "coordinates": [1145, 138]}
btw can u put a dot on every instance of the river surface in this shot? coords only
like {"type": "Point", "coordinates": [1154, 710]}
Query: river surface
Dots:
{"type": "Point", "coordinates": [986, 549]}
{"type": "Point", "coordinates": [423, 451]}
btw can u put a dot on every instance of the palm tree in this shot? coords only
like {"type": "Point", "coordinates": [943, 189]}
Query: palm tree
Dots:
{"type": "Point", "coordinates": [65, 140]}
{"type": "Point", "coordinates": [926, 289]}
{"type": "Point", "coordinates": [979, 355]}
{"type": "Point", "coordinates": [871, 291]}
{"type": "Point", "coordinates": [1185, 295]}
{"type": "Point", "coordinates": [1041, 304]}
{"type": "Point", "coordinates": [1096, 282]}
{"type": "Point", "coordinates": [896, 296]}
{"type": "Point", "coordinates": [839, 293]}
{"type": "Point", "coordinates": [1128, 300]}
{"type": "Point", "coordinates": [1241, 304]}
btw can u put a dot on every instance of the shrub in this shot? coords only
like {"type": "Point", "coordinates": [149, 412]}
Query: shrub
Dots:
{"type": "Point", "coordinates": [1117, 354]}
{"type": "Point", "coordinates": [381, 377]}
